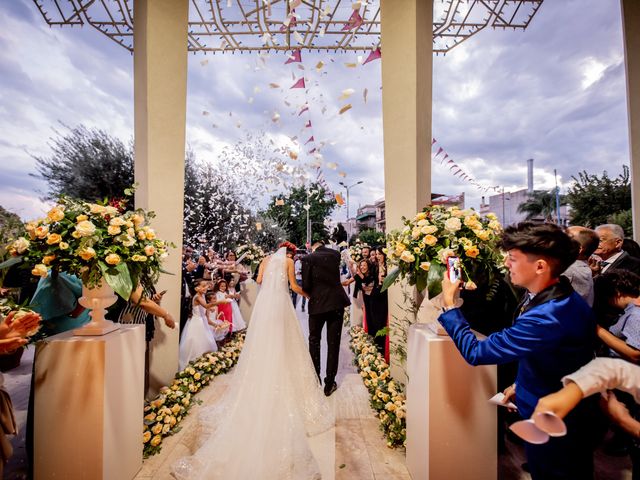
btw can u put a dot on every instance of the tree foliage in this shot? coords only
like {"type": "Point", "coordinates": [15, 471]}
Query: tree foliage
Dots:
{"type": "Point", "coordinates": [372, 237]}
{"type": "Point", "coordinates": [541, 204]}
{"type": "Point", "coordinates": [85, 163]}
{"type": "Point", "coordinates": [10, 227]}
{"type": "Point", "coordinates": [594, 199]}
{"type": "Point", "coordinates": [288, 210]}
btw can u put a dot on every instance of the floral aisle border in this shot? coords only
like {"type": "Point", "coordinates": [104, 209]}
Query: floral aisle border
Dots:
{"type": "Point", "coordinates": [387, 397]}
{"type": "Point", "coordinates": [163, 414]}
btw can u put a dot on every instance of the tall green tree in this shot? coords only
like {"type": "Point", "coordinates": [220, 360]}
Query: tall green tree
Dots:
{"type": "Point", "coordinates": [371, 237]}
{"type": "Point", "coordinates": [541, 204]}
{"type": "Point", "coordinates": [86, 163]}
{"type": "Point", "coordinates": [289, 211]}
{"type": "Point", "coordinates": [593, 199]}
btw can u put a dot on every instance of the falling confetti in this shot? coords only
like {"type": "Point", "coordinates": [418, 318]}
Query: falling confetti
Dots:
{"type": "Point", "coordinates": [205, 113]}
{"type": "Point", "coordinates": [346, 93]}
{"type": "Point", "coordinates": [364, 94]}
{"type": "Point", "coordinates": [345, 108]}
{"type": "Point", "coordinates": [351, 65]}
{"type": "Point", "coordinates": [274, 85]}
{"type": "Point", "coordinates": [204, 62]}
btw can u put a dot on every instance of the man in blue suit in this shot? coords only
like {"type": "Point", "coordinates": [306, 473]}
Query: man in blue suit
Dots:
{"type": "Point", "coordinates": [553, 335]}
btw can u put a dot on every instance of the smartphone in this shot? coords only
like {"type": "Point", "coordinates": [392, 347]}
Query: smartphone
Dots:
{"type": "Point", "coordinates": [453, 269]}
{"type": "Point", "coordinates": [162, 292]}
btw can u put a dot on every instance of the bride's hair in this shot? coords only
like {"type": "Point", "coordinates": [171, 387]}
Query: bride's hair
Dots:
{"type": "Point", "coordinates": [291, 248]}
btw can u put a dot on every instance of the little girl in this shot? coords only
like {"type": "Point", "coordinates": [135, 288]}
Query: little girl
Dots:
{"type": "Point", "coordinates": [197, 336]}
{"type": "Point", "coordinates": [238, 320]}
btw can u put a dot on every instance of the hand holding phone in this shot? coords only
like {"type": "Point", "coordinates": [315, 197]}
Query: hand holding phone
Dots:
{"type": "Point", "coordinates": [453, 269]}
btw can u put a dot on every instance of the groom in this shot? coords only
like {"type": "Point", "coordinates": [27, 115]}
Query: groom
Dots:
{"type": "Point", "coordinates": [321, 280]}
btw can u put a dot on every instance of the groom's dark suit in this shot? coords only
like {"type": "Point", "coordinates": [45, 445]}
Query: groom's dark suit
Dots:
{"type": "Point", "coordinates": [321, 280]}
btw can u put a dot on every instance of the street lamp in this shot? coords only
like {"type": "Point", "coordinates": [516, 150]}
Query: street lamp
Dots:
{"type": "Point", "coordinates": [307, 207]}
{"type": "Point", "coordinates": [349, 188]}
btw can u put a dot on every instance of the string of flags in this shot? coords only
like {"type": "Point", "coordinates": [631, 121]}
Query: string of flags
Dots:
{"type": "Point", "coordinates": [455, 169]}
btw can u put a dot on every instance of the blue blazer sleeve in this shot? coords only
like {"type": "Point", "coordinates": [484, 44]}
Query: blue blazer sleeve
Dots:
{"type": "Point", "coordinates": [532, 332]}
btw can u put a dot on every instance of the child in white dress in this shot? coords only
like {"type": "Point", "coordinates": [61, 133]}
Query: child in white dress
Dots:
{"type": "Point", "coordinates": [197, 338]}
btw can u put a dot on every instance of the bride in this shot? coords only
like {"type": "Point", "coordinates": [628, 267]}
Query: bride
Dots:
{"type": "Point", "coordinates": [260, 429]}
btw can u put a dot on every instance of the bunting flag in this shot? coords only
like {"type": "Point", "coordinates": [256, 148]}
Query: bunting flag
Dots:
{"type": "Point", "coordinates": [305, 108]}
{"type": "Point", "coordinates": [311, 139]}
{"type": "Point", "coordinates": [299, 84]}
{"type": "Point", "coordinates": [374, 55]}
{"type": "Point", "coordinates": [457, 171]}
{"type": "Point", "coordinates": [355, 20]}
{"type": "Point", "coordinates": [295, 57]}
{"type": "Point", "coordinates": [308, 124]}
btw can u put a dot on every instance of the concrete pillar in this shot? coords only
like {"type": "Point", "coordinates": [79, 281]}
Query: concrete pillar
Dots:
{"type": "Point", "coordinates": [631, 40]}
{"type": "Point", "coordinates": [407, 67]}
{"type": "Point", "coordinates": [160, 94]}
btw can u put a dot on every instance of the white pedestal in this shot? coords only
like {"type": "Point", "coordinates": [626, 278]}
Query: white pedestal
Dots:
{"type": "Point", "coordinates": [451, 427]}
{"type": "Point", "coordinates": [89, 399]}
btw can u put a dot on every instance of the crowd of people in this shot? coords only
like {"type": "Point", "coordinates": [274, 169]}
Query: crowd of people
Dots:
{"type": "Point", "coordinates": [580, 297]}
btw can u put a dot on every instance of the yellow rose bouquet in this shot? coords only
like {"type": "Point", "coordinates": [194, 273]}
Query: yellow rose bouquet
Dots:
{"type": "Point", "coordinates": [251, 255]}
{"type": "Point", "coordinates": [419, 251]}
{"type": "Point", "coordinates": [93, 241]}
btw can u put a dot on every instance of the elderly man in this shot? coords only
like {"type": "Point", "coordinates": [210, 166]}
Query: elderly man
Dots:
{"type": "Point", "coordinates": [609, 254]}
{"type": "Point", "coordinates": [579, 273]}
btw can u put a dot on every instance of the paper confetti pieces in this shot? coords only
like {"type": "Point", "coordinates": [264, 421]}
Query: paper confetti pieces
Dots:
{"type": "Point", "coordinates": [205, 113]}
{"type": "Point", "coordinates": [347, 107]}
{"type": "Point", "coordinates": [274, 85]}
{"type": "Point", "coordinates": [295, 57]}
{"type": "Point", "coordinates": [319, 65]}
{"type": "Point", "coordinates": [332, 165]}
{"type": "Point", "coordinates": [275, 117]}
{"type": "Point", "coordinates": [351, 65]}
{"type": "Point", "coordinates": [342, 174]}
{"type": "Point", "coordinates": [299, 83]}
{"type": "Point", "coordinates": [364, 94]}
{"type": "Point", "coordinates": [279, 202]}
{"type": "Point", "coordinates": [204, 62]}
{"type": "Point", "coordinates": [293, 155]}
{"type": "Point", "coordinates": [346, 93]}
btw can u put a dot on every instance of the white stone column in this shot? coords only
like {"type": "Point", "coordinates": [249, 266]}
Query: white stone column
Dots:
{"type": "Point", "coordinates": [160, 93]}
{"type": "Point", "coordinates": [631, 37]}
{"type": "Point", "coordinates": [407, 68]}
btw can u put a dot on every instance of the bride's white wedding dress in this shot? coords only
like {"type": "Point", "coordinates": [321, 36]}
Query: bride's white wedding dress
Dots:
{"type": "Point", "coordinates": [274, 402]}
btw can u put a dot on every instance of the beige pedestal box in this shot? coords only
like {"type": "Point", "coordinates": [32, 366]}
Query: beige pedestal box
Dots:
{"type": "Point", "coordinates": [451, 427]}
{"type": "Point", "coordinates": [89, 400]}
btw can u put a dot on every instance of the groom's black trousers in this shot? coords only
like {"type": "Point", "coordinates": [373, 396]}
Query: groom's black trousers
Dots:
{"type": "Point", "coordinates": [333, 319]}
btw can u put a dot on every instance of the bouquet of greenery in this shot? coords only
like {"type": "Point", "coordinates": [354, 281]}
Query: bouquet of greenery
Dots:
{"type": "Point", "coordinates": [94, 241]}
{"type": "Point", "coordinates": [420, 250]}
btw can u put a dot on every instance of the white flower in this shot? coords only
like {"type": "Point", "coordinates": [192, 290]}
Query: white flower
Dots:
{"type": "Point", "coordinates": [407, 256]}
{"type": "Point", "coordinates": [444, 254]}
{"type": "Point", "coordinates": [452, 224]}
{"type": "Point", "coordinates": [21, 245]}
{"type": "Point", "coordinates": [85, 228]}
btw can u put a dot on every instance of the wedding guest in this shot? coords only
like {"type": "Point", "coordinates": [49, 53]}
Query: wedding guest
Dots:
{"type": "Point", "coordinates": [200, 268]}
{"type": "Point", "coordinates": [600, 376]}
{"type": "Point", "coordinates": [578, 273]}
{"type": "Point", "coordinates": [379, 301]}
{"type": "Point", "coordinates": [226, 311]}
{"type": "Point", "coordinates": [297, 265]}
{"type": "Point", "coordinates": [621, 290]}
{"type": "Point", "coordinates": [365, 282]}
{"type": "Point", "coordinates": [142, 308]}
{"type": "Point", "coordinates": [553, 336]}
{"type": "Point", "coordinates": [198, 335]}
{"type": "Point", "coordinates": [609, 254]}
{"type": "Point", "coordinates": [631, 247]}
{"type": "Point", "coordinates": [230, 269]}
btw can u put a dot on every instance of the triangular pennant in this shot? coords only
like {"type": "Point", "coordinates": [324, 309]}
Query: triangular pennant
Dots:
{"type": "Point", "coordinates": [439, 152]}
{"type": "Point", "coordinates": [311, 139]}
{"type": "Point", "coordinates": [299, 84]}
{"type": "Point", "coordinates": [374, 55]}
{"type": "Point", "coordinates": [295, 57]}
{"type": "Point", "coordinates": [355, 20]}
{"type": "Point", "coordinates": [308, 124]}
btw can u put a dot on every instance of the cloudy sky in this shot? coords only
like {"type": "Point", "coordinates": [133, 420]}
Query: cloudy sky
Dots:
{"type": "Point", "coordinates": [555, 93]}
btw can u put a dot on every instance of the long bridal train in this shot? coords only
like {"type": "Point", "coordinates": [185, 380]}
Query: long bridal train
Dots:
{"type": "Point", "coordinates": [262, 427]}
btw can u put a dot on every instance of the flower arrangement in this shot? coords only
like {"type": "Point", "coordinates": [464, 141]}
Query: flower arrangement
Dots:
{"type": "Point", "coordinates": [163, 414]}
{"type": "Point", "coordinates": [420, 250]}
{"type": "Point", "coordinates": [355, 251]}
{"type": "Point", "coordinates": [387, 398]}
{"type": "Point", "coordinates": [94, 241]}
{"type": "Point", "coordinates": [252, 255]}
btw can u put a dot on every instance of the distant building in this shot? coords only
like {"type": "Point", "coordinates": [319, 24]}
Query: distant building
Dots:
{"type": "Point", "coordinates": [381, 215]}
{"type": "Point", "coordinates": [366, 217]}
{"type": "Point", "coordinates": [448, 200]}
{"type": "Point", "coordinates": [505, 206]}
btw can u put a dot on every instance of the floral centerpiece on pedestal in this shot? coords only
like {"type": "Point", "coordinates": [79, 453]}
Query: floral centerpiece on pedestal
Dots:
{"type": "Point", "coordinates": [251, 255]}
{"type": "Point", "coordinates": [94, 242]}
{"type": "Point", "coordinates": [420, 250]}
